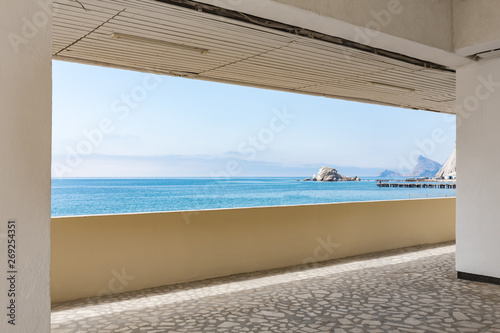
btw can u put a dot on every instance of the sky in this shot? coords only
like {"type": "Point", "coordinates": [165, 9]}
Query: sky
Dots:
{"type": "Point", "coordinates": [116, 123]}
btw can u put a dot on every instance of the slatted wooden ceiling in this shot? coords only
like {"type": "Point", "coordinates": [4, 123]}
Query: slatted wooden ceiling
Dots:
{"type": "Point", "coordinates": [240, 53]}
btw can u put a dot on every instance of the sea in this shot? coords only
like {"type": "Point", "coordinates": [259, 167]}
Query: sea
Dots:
{"type": "Point", "coordinates": [98, 196]}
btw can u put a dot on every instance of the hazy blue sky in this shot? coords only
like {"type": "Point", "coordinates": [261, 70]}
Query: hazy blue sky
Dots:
{"type": "Point", "coordinates": [114, 123]}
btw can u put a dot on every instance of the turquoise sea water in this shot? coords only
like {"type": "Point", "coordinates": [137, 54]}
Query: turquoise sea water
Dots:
{"type": "Point", "coordinates": [116, 196]}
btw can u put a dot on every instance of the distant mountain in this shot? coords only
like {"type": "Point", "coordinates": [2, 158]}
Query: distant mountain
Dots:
{"type": "Point", "coordinates": [389, 174]}
{"type": "Point", "coordinates": [425, 168]}
{"type": "Point", "coordinates": [449, 168]}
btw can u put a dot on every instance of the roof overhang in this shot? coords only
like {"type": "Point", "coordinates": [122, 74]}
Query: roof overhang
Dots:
{"type": "Point", "coordinates": [200, 41]}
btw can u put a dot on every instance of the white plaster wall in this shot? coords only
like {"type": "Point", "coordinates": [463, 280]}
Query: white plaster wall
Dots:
{"type": "Point", "coordinates": [478, 160]}
{"type": "Point", "coordinates": [25, 148]}
{"type": "Point", "coordinates": [476, 26]}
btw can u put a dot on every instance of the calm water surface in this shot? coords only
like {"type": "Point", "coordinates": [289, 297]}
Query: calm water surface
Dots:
{"type": "Point", "coordinates": [116, 196]}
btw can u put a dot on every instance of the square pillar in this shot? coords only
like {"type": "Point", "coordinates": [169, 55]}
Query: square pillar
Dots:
{"type": "Point", "coordinates": [478, 170]}
{"type": "Point", "coordinates": [25, 157]}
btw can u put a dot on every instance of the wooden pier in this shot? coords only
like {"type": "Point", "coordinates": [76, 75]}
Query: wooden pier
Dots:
{"type": "Point", "coordinates": [418, 185]}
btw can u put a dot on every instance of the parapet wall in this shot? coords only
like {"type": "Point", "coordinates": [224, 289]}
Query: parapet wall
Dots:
{"type": "Point", "coordinates": [98, 255]}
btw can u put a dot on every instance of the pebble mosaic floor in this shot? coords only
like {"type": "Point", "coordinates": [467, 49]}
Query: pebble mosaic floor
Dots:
{"type": "Point", "coordinates": [408, 290]}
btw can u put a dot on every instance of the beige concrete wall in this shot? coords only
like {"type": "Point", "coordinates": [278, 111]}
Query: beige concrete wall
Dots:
{"type": "Point", "coordinates": [25, 143]}
{"type": "Point", "coordinates": [476, 26]}
{"type": "Point", "coordinates": [103, 254]}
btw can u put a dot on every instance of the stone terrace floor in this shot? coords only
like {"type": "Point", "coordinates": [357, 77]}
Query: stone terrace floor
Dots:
{"type": "Point", "coordinates": [408, 290]}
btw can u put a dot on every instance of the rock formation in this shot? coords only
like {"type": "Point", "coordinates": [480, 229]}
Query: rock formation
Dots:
{"type": "Point", "coordinates": [425, 168]}
{"type": "Point", "coordinates": [326, 174]}
{"type": "Point", "coordinates": [449, 168]}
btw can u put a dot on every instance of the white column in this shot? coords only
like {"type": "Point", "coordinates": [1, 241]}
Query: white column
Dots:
{"type": "Point", "coordinates": [25, 149]}
{"type": "Point", "coordinates": [478, 168]}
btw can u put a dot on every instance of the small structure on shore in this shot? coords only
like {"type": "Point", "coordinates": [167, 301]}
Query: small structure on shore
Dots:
{"type": "Point", "coordinates": [417, 185]}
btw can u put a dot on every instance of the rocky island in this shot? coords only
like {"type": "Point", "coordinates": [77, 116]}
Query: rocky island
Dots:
{"type": "Point", "coordinates": [425, 167]}
{"type": "Point", "coordinates": [326, 174]}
